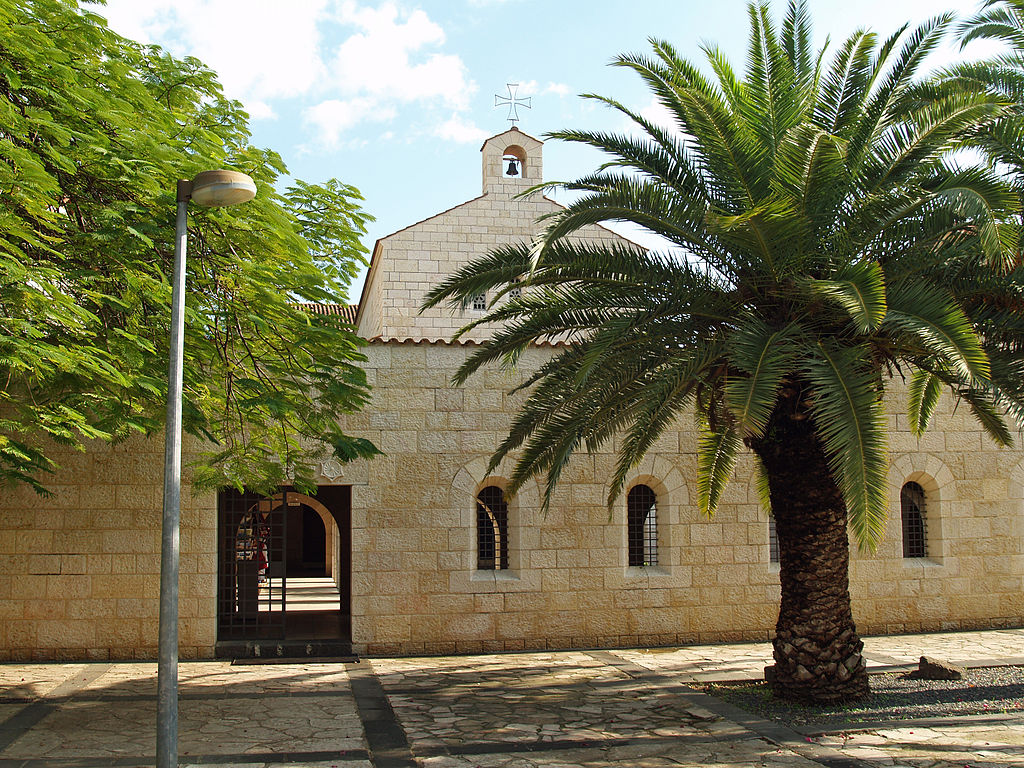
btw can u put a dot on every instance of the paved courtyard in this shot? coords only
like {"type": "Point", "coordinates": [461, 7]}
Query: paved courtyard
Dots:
{"type": "Point", "coordinates": [558, 709]}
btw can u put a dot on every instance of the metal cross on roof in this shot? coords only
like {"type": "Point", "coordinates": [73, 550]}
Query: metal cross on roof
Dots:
{"type": "Point", "coordinates": [512, 102]}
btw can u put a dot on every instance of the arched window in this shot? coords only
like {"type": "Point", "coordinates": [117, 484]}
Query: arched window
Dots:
{"type": "Point", "coordinates": [492, 529]}
{"type": "Point", "coordinates": [642, 526]}
{"type": "Point", "coordinates": [915, 540]}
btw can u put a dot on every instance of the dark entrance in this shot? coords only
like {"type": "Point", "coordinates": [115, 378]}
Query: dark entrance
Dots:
{"type": "Point", "coordinates": [284, 571]}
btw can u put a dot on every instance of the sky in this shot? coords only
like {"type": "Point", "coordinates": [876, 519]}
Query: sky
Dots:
{"type": "Point", "coordinates": [396, 97]}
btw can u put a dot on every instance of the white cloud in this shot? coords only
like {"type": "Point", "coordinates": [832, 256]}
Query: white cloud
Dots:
{"type": "Point", "coordinates": [260, 110]}
{"type": "Point", "coordinates": [654, 112]}
{"type": "Point", "coordinates": [521, 88]}
{"type": "Point", "coordinates": [386, 57]}
{"type": "Point", "coordinates": [261, 50]}
{"type": "Point", "coordinates": [333, 117]}
{"type": "Point", "coordinates": [457, 129]}
{"type": "Point", "coordinates": [359, 63]}
{"type": "Point", "coordinates": [525, 90]}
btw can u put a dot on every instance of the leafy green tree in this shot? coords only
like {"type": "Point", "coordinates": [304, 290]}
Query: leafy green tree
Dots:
{"type": "Point", "coordinates": [824, 238]}
{"type": "Point", "coordinates": [94, 132]}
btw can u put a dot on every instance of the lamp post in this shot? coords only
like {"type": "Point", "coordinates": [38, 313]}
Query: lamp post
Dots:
{"type": "Point", "coordinates": [211, 189]}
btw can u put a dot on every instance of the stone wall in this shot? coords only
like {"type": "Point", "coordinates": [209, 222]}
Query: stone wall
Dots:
{"type": "Point", "coordinates": [80, 570]}
{"type": "Point", "coordinates": [407, 263]}
{"type": "Point", "coordinates": [416, 588]}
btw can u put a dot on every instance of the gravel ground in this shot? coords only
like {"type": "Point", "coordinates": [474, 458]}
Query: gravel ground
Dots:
{"type": "Point", "coordinates": [895, 696]}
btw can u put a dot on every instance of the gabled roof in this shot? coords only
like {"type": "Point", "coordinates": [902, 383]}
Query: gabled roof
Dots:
{"type": "Point", "coordinates": [510, 130]}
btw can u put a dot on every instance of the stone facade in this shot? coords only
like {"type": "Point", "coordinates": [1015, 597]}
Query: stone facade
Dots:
{"type": "Point", "coordinates": [407, 263]}
{"type": "Point", "coordinates": [416, 588]}
{"type": "Point", "coordinates": [79, 571]}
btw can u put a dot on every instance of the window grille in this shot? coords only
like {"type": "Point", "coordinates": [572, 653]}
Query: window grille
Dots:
{"type": "Point", "coordinates": [492, 529]}
{"type": "Point", "coordinates": [515, 293]}
{"type": "Point", "coordinates": [773, 542]}
{"type": "Point", "coordinates": [642, 526]}
{"type": "Point", "coordinates": [480, 302]}
{"type": "Point", "coordinates": [915, 539]}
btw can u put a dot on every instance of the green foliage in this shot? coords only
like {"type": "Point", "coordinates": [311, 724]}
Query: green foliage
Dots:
{"type": "Point", "coordinates": [94, 132]}
{"type": "Point", "coordinates": [826, 234]}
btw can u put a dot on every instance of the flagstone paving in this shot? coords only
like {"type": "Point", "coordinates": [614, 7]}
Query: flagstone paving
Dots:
{"type": "Point", "coordinates": [569, 709]}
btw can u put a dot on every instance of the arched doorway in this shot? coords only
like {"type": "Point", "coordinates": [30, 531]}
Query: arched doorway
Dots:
{"type": "Point", "coordinates": [284, 567]}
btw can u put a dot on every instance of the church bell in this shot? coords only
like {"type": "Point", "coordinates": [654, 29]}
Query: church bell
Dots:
{"type": "Point", "coordinates": [513, 169]}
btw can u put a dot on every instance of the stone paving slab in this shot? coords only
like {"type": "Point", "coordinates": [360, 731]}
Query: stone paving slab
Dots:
{"type": "Point", "coordinates": [547, 709]}
{"type": "Point", "coordinates": [108, 717]}
{"type": "Point", "coordinates": [528, 698]}
{"type": "Point", "coordinates": [946, 746]}
{"type": "Point", "coordinates": [752, 752]}
{"type": "Point", "coordinates": [740, 661]}
{"type": "Point", "coordinates": [30, 681]}
{"type": "Point", "coordinates": [235, 727]}
{"type": "Point", "coordinates": [197, 678]}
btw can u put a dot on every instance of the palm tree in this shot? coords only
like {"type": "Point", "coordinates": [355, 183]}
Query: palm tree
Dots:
{"type": "Point", "coordinates": [813, 205]}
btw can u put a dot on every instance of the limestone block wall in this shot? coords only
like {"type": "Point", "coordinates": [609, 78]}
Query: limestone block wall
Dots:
{"type": "Point", "coordinates": [416, 588]}
{"type": "Point", "coordinates": [410, 262]}
{"type": "Point", "coordinates": [80, 570]}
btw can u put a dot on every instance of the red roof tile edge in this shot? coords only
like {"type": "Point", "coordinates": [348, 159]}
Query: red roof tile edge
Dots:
{"type": "Point", "coordinates": [347, 311]}
{"type": "Point", "coordinates": [451, 342]}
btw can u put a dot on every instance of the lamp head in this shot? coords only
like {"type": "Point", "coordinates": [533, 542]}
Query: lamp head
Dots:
{"type": "Point", "coordinates": [214, 189]}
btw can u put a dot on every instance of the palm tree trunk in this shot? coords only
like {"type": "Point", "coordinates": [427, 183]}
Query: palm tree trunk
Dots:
{"type": "Point", "coordinates": [817, 650]}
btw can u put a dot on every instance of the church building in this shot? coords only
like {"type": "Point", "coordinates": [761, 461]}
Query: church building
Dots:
{"type": "Point", "coordinates": [420, 551]}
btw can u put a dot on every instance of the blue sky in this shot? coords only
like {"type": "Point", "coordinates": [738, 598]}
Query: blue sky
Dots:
{"type": "Point", "coordinates": [396, 97]}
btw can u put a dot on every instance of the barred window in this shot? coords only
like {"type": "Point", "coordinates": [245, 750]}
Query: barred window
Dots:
{"type": "Point", "coordinates": [642, 526]}
{"type": "Point", "coordinates": [480, 302]}
{"type": "Point", "coordinates": [773, 542]}
{"type": "Point", "coordinates": [515, 293]}
{"type": "Point", "coordinates": [915, 539]}
{"type": "Point", "coordinates": [492, 529]}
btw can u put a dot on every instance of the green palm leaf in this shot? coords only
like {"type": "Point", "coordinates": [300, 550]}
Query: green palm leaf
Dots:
{"type": "Point", "coordinates": [924, 391]}
{"type": "Point", "coordinates": [762, 486]}
{"type": "Point", "coordinates": [858, 288]}
{"type": "Point", "coordinates": [987, 412]}
{"type": "Point", "coordinates": [929, 317]}
{"type": "Point", "coordinates": [716, 458]}
{"type": "Point", "coordinates": [760, 358]}
{"type": "Point", "coordinates": [849, 417]}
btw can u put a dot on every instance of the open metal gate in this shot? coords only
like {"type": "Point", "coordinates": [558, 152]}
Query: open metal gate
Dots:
{"type": "Point", "coordinates": [251, 572]}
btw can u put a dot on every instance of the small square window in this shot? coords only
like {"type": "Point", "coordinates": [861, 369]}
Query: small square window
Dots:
{"type": "Point", "coordinates": [515, 293]}
{"type": "Point", "coordinates": [480, 302]}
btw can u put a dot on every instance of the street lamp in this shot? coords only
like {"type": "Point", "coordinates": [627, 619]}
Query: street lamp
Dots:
{"type": "Point", "coordinates": [210, 189]}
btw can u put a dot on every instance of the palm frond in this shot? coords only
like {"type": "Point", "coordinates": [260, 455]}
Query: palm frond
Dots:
{"type": "Point", "coordinates": [671, 390]}
{"type": "Point", "coordinates": [760, 357]}
{"type": "Point", "coordinates": [761, 486]}
{"type": "Point", "coordinates": [848, 414]}
{"type": "Point", "coordinates": [931, 319]}
{"type": "Point", "coordinates": [986, 411]}
{"type": "Point", "coordinates": [923, 394]}
{"type": "Point", "coordinates": [1001, 20]}
{"type": "Point", "coordinates": [716, 458]}
{"type": "Point", "coordinates": [859, 288]}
